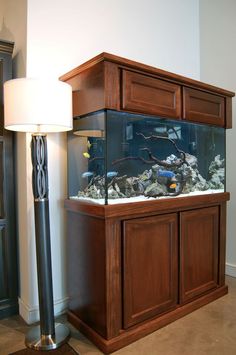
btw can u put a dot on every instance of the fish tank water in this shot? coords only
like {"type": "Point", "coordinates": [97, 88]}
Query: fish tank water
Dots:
{"type": "Point", "coordinates": [118, 157]}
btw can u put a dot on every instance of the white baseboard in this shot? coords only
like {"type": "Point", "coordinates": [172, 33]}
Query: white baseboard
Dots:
{"type": "Point", "coordinates": [31, 314]}
{"type": "Point", "coordinates": [230, 269]}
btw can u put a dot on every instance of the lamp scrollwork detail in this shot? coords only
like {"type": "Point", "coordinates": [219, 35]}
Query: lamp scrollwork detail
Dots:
{"type": "Point", "coordinates": [39, 163]}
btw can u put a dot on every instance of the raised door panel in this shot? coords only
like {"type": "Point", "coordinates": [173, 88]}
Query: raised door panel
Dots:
{"type": "Point", "coordinates": [141, 93]}
{"type": "Point", "coordinates": [200, 106]}
{"type": "Point", "coordinates": [1, 180]}
{"type": "Point", "coordinates": [4, 292]}
{"type": "Point", "coordinates": [150, 270]}
{"type": "Point", "coordinates": [1, 98]}
{"type": "Point", "coordinates": [198, 252]}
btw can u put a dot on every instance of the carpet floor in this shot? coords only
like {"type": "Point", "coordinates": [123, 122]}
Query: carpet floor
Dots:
{"type": "Point", "coordinates": [209, 330]}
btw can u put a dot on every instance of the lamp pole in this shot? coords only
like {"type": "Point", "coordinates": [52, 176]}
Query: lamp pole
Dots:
{"type": "Point", "coordinates": [48, 335]}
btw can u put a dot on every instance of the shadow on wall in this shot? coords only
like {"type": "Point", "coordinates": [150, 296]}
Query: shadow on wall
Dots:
{"type": "Point", "coordinates": [5, 33]}
{"type": "Point", "coordinates": [18, 65]}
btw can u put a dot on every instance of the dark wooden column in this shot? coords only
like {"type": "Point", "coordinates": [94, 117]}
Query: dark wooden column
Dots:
{"type": "Point", "coordinates": [8, 242]}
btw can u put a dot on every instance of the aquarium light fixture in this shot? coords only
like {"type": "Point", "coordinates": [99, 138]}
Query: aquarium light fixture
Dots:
{"type": "Point", "coordinates": [96, 133]}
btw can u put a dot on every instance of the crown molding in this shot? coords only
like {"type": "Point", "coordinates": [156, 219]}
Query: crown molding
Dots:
{"type": "Point", "coordinates": [6, 47]}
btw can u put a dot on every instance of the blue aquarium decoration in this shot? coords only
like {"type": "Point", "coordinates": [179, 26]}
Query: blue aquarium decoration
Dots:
{"type": "Point", "coordinates": [125, 157]}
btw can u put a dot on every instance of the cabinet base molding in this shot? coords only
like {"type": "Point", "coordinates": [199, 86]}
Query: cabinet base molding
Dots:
{"type": "Point", "coordinates": [9, 309]}
{"type": "Point", "coordinates": [127, 337]}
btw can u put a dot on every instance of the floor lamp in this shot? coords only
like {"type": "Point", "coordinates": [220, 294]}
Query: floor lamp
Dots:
{"type": "Point", "coordinates": [40, 106]}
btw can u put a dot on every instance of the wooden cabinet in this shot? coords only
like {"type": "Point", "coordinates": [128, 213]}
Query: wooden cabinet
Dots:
{"type": "Point", "coordinates": [8, 243]}
{"type": "Point", "coordinates": [111, 82]}
{"type": "Point", "coordinates": [199, 241]}
{"type": "Point", "coordinates": [150, 95]}
{"type": "Point", "coordinates": [202, 107]}
{"type": "Point", "coordinates": [150, 254]}
{"type": "Point", "coordinates": [133, 268]}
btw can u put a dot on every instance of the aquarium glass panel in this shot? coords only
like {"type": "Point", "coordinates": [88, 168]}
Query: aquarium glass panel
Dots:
{"type": "Point", "coordinates": [86, 158]}
{"type": "Point", "coordinates": [156, 157]}
{"type": "Point", "coordinates": [141, 157]}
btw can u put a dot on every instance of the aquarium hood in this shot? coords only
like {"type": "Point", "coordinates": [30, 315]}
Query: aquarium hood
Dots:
{"type": "Point", "coordinates": [91, 125]}
{"type": "Point", "coordinates": [89, 133]}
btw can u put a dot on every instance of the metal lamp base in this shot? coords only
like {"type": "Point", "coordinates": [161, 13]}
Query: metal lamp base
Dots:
{"type": "Point", "coordinates": [35, 340]}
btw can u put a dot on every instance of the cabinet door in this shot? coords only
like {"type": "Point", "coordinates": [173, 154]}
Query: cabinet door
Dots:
{"type": "Point", "coordinates": [198, 252]}
{"type": "Point", "coordinates": [1, 179]}
{"type": "Point", "coordinates": [150, 95]}
{"type": "Point", "coordinates": [150, 267]}
{"type": "Point", "coordinates": [200, 106]}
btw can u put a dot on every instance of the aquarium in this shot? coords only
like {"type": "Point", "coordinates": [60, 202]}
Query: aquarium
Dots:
{"type": "Point", "coordinates": [118, 157]}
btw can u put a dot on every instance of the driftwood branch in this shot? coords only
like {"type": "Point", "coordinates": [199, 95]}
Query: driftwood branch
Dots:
{"type": "Point", "coordinates": [181, 152]}
{"type": "Point", "coordinates": [162, 162]}
{"type": "Point", "coordinates": [175, 132]}
{"type": "Point", "coordinates": [132, 158]}
{"type": "Point", "coordinates": [153, 158]}
{"type": "Point", "coordinates": [96, 158]}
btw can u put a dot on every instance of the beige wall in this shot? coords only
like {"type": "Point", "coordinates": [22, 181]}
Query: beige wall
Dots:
{"type": "Point", "coordinates": [218, 58]}
{"type": "Point", "coordinates": [1, 11]}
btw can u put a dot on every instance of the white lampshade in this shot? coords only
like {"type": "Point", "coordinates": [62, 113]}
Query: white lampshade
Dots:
{"type": "Point", "coordinates": [37, 105]}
